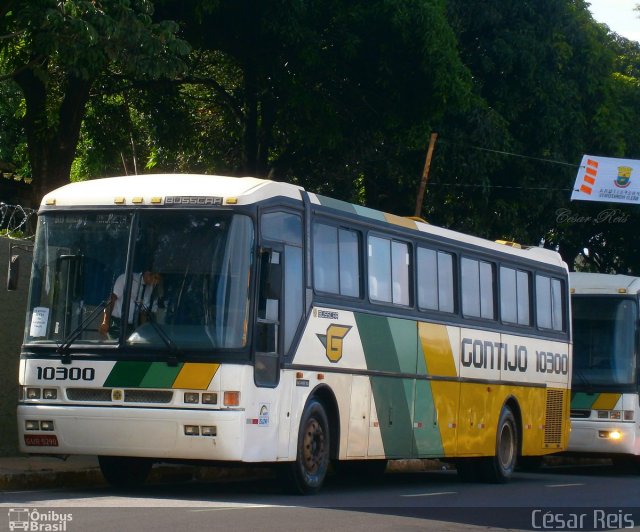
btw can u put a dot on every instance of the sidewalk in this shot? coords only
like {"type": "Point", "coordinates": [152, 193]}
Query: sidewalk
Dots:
{"type": "Point", "coordinates": [41, 472]}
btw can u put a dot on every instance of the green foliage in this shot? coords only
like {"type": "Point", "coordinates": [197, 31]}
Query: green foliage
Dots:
{"type": "Point", "coordinates": [56, 50]}
{"type": "Point", "coordinates": [340, 97]}
{"type": "Point", "coordinates": [546, 93]}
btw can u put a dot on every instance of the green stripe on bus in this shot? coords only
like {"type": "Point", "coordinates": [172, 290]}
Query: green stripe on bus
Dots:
{"type": "Point", "coordinates": [127, 374]}
{"type": "Point", "coordinates": [160, 375]}
{"type": "Point", "coordinates": [583, 401]}
{"type": "Point", "coordinates": [377, 342]}
{"type": "Point", "coordinates": [392, 397]}
{"type": "Point", "coordinates": [404, 334]}
{"type": "Point", "coordinates": [370, 213]}
{"type": "Point", "coordinates": [336, 204]}
{"type": "Point", "coordinates": [391, 344]}
{"type": "Point", "coordinates": [427, 433]}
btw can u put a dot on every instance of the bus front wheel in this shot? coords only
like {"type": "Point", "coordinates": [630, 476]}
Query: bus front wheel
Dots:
{"type": "Point", "coordinates": [307, 473]}
{"type": "Point", "coordinates": [499, 468]}
{"type": "Point", "coordinates": [125, 471]}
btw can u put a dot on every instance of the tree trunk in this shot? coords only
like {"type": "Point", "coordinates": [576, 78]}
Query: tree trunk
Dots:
{"type": "Point", "coordinates": [52, 144]}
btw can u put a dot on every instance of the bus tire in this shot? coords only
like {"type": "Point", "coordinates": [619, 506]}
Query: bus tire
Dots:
{"type": "Point", "coordinates": [307, 473]}
{"type": "Point", "coordinates": [498, 469]}
{"type": "Point", "coordinates": [125, 471]}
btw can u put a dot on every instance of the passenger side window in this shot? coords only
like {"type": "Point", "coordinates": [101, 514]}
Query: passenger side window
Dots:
{"type": "Point", "coordinates": [388, 271]}
{"type": "Point", "coordinates": [515, 296]}
{"type": "Point", "coordinates": [549, 303]}
{"type": "Point", "coordinates": [477, 288]}
{"type": "Point", "coordinates": [336, 260]}
{"type": "Point", "coordinates": [435, 280]}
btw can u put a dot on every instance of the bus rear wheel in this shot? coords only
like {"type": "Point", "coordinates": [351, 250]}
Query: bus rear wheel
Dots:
{"type": "Point", "coordinates": [307, 473]}
{"type": "Point", "coordinates": [125, 471]}
{"type": "Point", "coordinates": [499, 468]}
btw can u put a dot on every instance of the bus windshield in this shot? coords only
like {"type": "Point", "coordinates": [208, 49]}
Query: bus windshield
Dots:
{"type": "Point", "coordinates": [187, 281]}
{"type": "Point", "coordinates": [604, 332]}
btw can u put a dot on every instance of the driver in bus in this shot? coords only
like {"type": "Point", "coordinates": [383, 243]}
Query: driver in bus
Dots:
{"type": "Point", "coordinates": [142, 302]}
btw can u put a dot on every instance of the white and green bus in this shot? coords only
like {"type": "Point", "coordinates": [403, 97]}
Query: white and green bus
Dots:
{"type": "Point", "coordinates": [605, 413]}
{"type": "Point", "coordinates": [284, 327]}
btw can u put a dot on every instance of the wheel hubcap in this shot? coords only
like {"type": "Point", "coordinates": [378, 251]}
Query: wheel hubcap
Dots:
{"type": "Point", "coordinates": [506, 447]}
{"type": "Point", "coordinates": [313, 446]}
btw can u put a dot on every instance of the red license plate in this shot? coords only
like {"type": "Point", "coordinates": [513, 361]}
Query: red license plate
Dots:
{"type": "Point", "coordinates": [41, 440]}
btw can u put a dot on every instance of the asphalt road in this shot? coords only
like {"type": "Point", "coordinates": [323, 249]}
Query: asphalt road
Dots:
{"type": "Point", "coordinates": [555, 498]}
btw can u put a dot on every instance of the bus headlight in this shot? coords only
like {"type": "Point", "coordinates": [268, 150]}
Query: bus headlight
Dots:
{"type": "Point", "coordinates": [33, 393]}
{"type": "Point", "coordinates": [49, 393]}
{"type": "Point", "coordinates": [610, 434]}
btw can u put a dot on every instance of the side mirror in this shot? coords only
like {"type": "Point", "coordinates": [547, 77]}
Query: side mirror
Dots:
{"type": "Point", "coordinates": [13, 273]}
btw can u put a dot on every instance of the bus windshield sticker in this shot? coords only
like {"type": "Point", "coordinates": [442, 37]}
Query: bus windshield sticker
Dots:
{"type": "Point", "coordinates": [39, 322]}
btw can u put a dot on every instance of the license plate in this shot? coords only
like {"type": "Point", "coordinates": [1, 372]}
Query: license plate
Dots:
{"type": "Point", "coordinates": [41, 440]}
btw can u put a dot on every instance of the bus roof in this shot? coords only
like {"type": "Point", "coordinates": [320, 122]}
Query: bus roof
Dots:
{"type": "Point", "coordinates": [601, 283]}
{"type": "Point", "coordinates": [198, 189]}
{"type": "Point", "coordinates": [156, 188]}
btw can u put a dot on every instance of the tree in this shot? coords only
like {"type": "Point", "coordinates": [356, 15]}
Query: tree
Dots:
{"type": "Point", "coordinates": [337, 96]}
{"type": "Point", "coordinates": [56, 53]}
{"type": "Point", "coordinates": [545, 94]}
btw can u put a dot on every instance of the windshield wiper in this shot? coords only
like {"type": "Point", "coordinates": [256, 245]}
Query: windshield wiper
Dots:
{"type": "Point", "coordinates": [168, 341]}
{"type": "Point", "coordinates": [64, 348]}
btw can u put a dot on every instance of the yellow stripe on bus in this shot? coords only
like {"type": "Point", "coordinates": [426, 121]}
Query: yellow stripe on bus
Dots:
{"type": "Point", "coordinates": [436, 347]}
{"type": "Point", "coordinates": [606, 401]}
{"type": "Point", "coordinates": [438, 357]}
{"type": "Point", "coordinates": [399, 220]}
{"type": "Point", "coordinates": [195, 376]}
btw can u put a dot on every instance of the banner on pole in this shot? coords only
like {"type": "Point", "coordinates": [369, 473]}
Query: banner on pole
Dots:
{"type": "Point", "coordinates": [608, 179]}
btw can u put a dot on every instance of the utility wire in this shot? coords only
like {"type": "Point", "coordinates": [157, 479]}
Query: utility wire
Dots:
{"type": "Point", "coordinates": [511, 154]}
{"type": "Point", "coordinates": [475, 185]}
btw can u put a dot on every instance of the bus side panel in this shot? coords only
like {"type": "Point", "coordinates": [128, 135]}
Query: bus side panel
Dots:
{"type": "Point", "coordinates": [391, 345]}
{"type": "Point", "coordinates": [359, 411]}
{"type": "Point", "coordinates": [480, 403]}
{"type": "Point", "coordinates": [437, 398]}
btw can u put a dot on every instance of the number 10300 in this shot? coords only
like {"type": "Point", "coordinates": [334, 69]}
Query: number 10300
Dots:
{"type": "Point", "coordinates": [50, 373]}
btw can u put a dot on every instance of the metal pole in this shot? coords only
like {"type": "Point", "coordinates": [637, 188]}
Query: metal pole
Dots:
{"type": "Point", "coordinates": [425, 174]}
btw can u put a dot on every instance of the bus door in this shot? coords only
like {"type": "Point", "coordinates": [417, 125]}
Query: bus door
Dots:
{"type": "Point", "coordinates": [280, 292]}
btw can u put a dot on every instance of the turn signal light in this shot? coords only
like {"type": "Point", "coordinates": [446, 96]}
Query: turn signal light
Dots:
{"type": "Point", "coordinates": [231, 399]}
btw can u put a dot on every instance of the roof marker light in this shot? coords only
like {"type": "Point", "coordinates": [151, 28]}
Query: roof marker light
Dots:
{"type": "Point", "coordinates": [119, 200]}
{"type": "Point", "coordinates": [137, 200]}
{"type": "Point", "coordinates": [232, 201]}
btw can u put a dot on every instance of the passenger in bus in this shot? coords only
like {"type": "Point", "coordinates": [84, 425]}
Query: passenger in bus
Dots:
{"type": "Point", "coordinates": [143, 300]}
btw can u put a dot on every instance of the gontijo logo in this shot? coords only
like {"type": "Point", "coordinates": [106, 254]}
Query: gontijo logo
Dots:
{"type": "Point", "coordinates": [36, 521]}
{"type": "Point", "coordinates": [333, 340]}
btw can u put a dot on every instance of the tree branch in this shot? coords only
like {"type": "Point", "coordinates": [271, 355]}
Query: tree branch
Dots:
{"type": "Point", "coordinates": [38, 61]}
{"type": "Point", "coordinates": [11, 35]}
